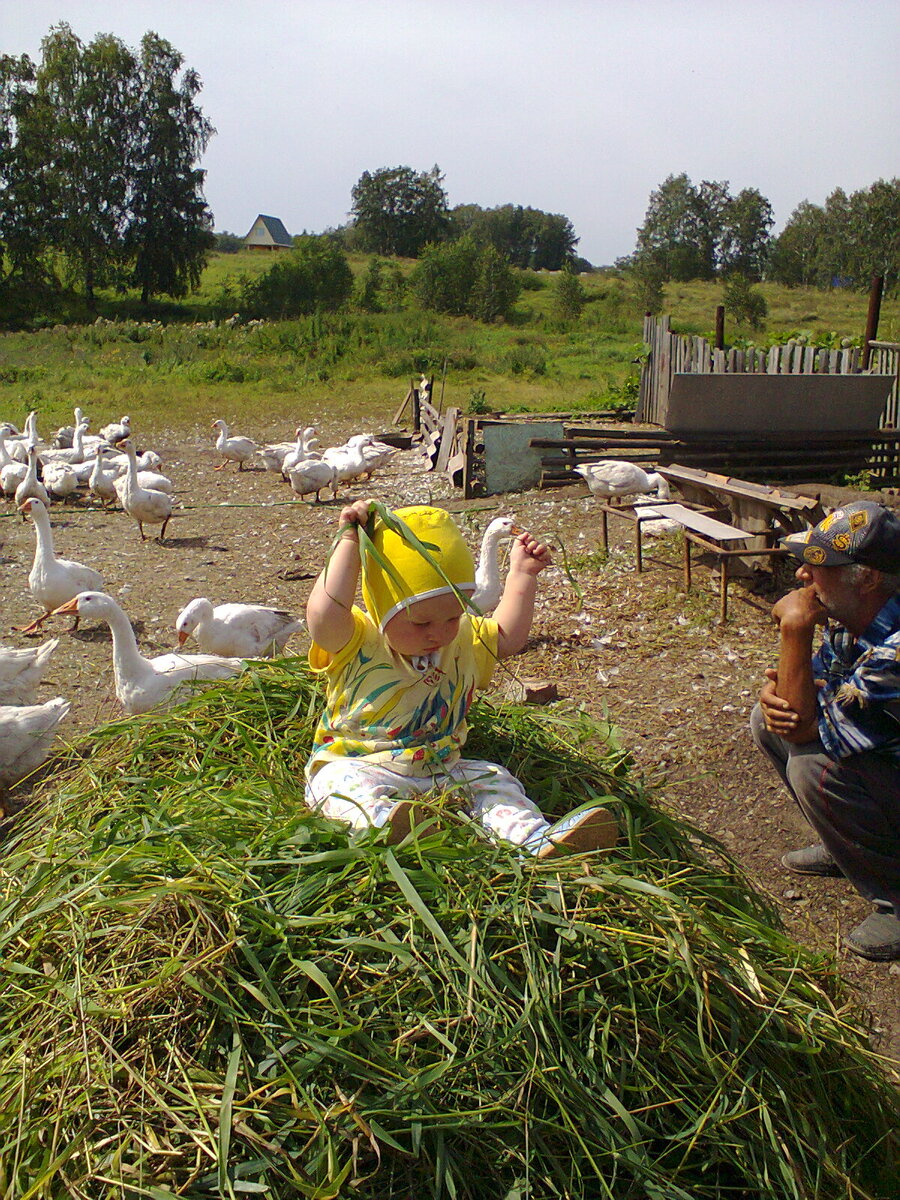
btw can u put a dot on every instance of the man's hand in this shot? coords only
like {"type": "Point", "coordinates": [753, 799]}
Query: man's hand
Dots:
{"type": "Point", "coordinates": [780, 718]}
{"type": "Point", "coordinates": [799, 610]}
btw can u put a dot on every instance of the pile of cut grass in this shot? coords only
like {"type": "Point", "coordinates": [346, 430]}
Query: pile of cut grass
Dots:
{"type": "Point", "coordinates": [209, 992]}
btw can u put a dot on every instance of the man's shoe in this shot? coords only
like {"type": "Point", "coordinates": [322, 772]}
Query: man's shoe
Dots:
{"type": "Point", "coordinates": [878, 938]}
{"type": "Point", "coordinates": [811, 860]}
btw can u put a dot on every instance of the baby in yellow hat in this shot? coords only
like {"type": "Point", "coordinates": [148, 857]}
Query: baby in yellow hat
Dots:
{"type": "Point", "coordinates": [402, 674]}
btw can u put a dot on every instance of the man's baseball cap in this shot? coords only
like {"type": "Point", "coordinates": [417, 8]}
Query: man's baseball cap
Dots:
{"type": "Point", "coordinates": [862, 532]}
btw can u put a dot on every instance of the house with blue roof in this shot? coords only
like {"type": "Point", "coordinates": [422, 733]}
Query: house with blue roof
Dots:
{"type": "Point", "coordinates": [268, 233]}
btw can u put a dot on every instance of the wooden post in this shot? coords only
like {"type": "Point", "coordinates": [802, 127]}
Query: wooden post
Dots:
{"type": "Point", "coordinates": [875, 293]}
{"type": "Point", "coordinates": [720, 327]}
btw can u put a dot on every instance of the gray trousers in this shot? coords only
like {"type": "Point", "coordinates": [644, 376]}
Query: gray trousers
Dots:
{"type": "Point", "coordinates": [853, 804]}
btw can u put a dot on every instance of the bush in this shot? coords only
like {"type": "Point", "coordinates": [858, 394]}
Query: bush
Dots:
{"type": "Point", "coordinates": [746, 305]}
{"type": "Point", "coordinates": [460, 279]}
{"type": "Point", "coordinates": [316, 275]}
{"type": "Point", "coordinates": [568, 295]}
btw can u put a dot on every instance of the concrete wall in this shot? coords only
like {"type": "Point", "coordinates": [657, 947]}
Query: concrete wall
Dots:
{"type": "Point", "coordinates": [510, 465]}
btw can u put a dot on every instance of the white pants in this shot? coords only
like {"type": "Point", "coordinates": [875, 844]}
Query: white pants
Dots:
{"type": "Point", "coordinates": [363, 793]}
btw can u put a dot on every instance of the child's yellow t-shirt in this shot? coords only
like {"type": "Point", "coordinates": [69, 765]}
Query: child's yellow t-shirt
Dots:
{"type": "Point", "coordinates": [380, 707]}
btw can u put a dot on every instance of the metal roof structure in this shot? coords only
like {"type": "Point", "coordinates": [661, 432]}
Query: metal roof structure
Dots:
{"type": "Point", "coordinates": [268, 231]}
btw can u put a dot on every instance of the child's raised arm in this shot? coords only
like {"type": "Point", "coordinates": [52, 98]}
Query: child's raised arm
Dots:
{"type": "Point", "coordinates": [515, 611]}
{"type": "Point", "coordinates": [328, 615]}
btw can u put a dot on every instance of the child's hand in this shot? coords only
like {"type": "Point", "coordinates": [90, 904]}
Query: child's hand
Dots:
{"type": "Point", "coordinates": [354, 514]}
{"type": "Point", "coordinates": [528, 555]}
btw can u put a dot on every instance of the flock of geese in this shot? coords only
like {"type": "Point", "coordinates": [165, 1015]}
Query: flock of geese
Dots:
{"type": "Point", "coordinates": [109, 469]}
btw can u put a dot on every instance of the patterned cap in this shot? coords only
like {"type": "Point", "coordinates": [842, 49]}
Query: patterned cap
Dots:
{"type": "Point", "coordinates": [863, 532]}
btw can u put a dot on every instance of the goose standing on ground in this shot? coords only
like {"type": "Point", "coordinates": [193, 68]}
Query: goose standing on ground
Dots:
{"type": "Point", "coordinates": [488, 584]}
{"type": "Point", "coordinates": [116, 432]}
{"type": "Point", "coordinates": [312, 475]}
{"type": "Point", "coordinates": [31, 487]}
{"type": "Point", "coordinates": [52, 581]}
{"type": "Point", "coordinates": [65, 435]}
{"type": "Point", "coordinates": [302, 451]}
{"type": "Point", "coordinates": [60, 481]}
{"type": "Point", "coordinates": [102, 484]}
{"type": "Point", "coordinates": [144, 505]}
{"type": "Point", "coordinates": [22, 670]}
{"type": "Point", "coordinates": [143, 683]}
{"type": "Point", "coordinates": [26, 732]}
{"type": "Point", "coordinates": [18, 444]}
{"type": "Point", "coordinates": [70, 456]}
{"type": "Point", "coordinates": [12, 472]}
{"type": "Point", "coordinates": [613, 477]}
{"type": "Point", "coordinates": [237, 630]}
{"type": "Point", "coordinates": [232, 449]}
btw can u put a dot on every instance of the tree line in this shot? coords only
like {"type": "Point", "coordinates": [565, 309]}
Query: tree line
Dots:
{"type": "Point", "coordinates": [704, 232]}
{"type": "Point", "coordinates": [99, 183]}
{"type": "Point", "coordinates": [399, 211]}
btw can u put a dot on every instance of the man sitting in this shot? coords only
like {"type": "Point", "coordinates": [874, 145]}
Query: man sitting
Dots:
{"type": "Point", "coordinates": [830, 720]}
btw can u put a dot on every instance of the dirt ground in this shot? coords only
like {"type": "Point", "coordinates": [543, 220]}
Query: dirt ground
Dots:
{"type": "Point", "coordinates": [636, 649]}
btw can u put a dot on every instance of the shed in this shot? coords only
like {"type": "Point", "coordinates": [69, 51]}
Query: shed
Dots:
{"type": "Point", "coordinates": [268, 233]}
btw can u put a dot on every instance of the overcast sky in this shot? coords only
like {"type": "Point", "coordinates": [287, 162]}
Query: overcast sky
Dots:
{"type": "Point", "coordinates": [579, 107]}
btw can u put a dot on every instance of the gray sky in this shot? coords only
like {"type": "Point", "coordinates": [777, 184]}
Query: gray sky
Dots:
{"type": "Point", "coordinates": [579, 107]}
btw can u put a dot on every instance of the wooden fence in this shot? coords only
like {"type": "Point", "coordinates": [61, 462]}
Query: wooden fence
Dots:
{"type": "Point", "coordinates": [671, 353]}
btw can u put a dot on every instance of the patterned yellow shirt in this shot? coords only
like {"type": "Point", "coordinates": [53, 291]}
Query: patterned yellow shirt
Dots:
{"type": "Point", "coordinates": [380, 707]}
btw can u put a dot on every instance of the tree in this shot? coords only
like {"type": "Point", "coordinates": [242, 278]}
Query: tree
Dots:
{"type": "Point", "coordinates": [170, 228]}
{"type": "Point", "coordinates": [22, 216]}
{"type": "Point", "coordinates": [83, 121]}
{"type": "Point", "coordinates": [672, 234]}
{"type": "Point", "coordinates": [528, 237]}
{"type": "Point", "coordinates": [698, 232]}
{"type": "Point", "coordinates": [568, 295]}
{"type": "Point", "coordinates": [398, 211]}
{"type": "Point", "coordinates": [795, 254]}
{"type": "Point", "coordinates": [745, 238]}
{"type": "Point", "coordinates": [746, 305]}
{"type": "Point", "coordinates": [496, 287]}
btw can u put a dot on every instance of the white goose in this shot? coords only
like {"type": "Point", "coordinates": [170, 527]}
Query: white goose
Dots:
{"type": "Point", "coordinates": [116, 431]}
{"type": "Point", "coordinates": [53, 580]}
{"type": "Point", "coordinates": [232, 449]}
{"type": "Point", "coordinates": [65, 435]}
{"type": "Point", "coordinates": [12, 472]}
{"type": "Point", "coordinates": [143, 683]}
{"type": "Point", "coordinates": [238, 630]}
{"type": "Point", "coordinates": [312, 475]}
{"type": "Point", "coordinates": [18, 444]}
{"type": "Point", "coordinates": [613, 477]}
{"type": "Point", "coordinates": [488, 584]}
{"type": "Point", "coordinates": [71, 455]}
{"type": "Point", "coordinates": [60, 480]}
{"type": "Point", "coordinates": [144, 505]}
{"type": "Point", "coordinates": [31, 487]}
{"type": "Point", "coordinates": [26, 732]}
{"type": "Point", "coordinates": [22, 670]}
{"type": "Point", "coordinates": [302, 451]}
{"type": "Point", "coordinates": [100, 482]}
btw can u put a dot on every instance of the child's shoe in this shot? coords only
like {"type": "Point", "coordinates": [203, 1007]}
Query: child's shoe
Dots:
{"type": "Point", "coordinates": [399, 822]}
{"type": "Point", "coordinates": [580, 832]}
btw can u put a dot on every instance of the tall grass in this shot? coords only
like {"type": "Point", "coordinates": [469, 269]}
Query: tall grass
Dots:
{"type": "Point", "coordinates": [208, 991]}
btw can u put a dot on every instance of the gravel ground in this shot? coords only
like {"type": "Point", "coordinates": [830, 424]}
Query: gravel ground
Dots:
{"type": "Point", "coordinates": [634, 648]}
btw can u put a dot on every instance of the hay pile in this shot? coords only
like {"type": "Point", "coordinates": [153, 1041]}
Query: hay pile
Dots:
{"type": "Point", "coordinates": [209, 992]}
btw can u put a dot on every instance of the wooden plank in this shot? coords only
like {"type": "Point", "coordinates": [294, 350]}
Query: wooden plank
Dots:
{"type": "Point", "coordinates": [449, 439]}
{"type": "Point", "coordinates": [699, 523]}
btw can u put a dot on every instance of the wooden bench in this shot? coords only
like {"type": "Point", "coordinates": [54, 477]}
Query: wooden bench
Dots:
{"type": "Point", "coordinates": [698, 528]}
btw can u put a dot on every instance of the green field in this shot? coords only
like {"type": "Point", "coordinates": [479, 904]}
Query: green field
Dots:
{"type": "Point", "coordinates": [181, 364]}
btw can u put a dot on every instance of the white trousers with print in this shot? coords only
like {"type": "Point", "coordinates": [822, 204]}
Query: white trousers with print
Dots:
{"type": "Point", "coordinates": [363, 793]}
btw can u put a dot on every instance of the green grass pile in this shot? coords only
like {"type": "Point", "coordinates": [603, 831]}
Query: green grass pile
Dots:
{"type": "Point", "coordinates": [209, 992]}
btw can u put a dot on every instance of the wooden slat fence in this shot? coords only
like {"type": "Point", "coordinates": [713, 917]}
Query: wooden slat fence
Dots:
{"type": "Point", "coordinates": [674, 353]}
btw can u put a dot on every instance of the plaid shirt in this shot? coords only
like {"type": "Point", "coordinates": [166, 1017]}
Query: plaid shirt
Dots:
{"type": "Point", "coordinates": [859, 693]}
